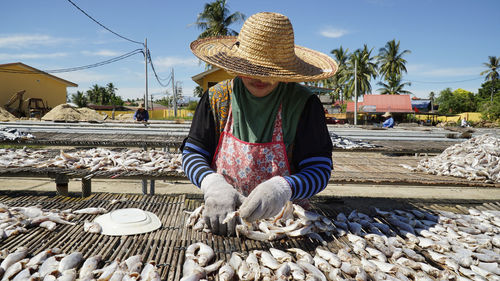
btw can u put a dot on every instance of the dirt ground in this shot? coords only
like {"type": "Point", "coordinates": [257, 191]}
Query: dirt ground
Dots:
{"type": "Point", "coordinates": [337, 190]}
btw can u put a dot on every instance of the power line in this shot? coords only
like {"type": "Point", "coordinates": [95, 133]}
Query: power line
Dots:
{"type": "Point", "coordinates": [123, 37]}
{"type": "Point", "coordinates": [156, 75]}
{"type": "Point", "coordinates": [443, 82]}
{"type": "Point", "coordinates": [115, 59]}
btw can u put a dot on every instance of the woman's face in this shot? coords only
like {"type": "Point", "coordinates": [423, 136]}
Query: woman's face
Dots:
{"type": "Point", "coordinates": [258, 87]}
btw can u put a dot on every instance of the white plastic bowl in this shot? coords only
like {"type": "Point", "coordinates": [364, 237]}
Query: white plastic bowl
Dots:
{"type": "Point", "coordinates": [128, 221]}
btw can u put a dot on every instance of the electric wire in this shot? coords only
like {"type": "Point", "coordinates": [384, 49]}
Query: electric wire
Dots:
{"type": "Point", "coordinates": [123, 37]}
{"type": "Point", "coordinates": [115, 59]}
{"type": "Point", "coordinates": [154, 71]}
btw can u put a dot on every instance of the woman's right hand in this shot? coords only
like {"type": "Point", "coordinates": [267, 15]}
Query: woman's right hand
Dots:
{"type": "Point", "coordinates": [220, 198]}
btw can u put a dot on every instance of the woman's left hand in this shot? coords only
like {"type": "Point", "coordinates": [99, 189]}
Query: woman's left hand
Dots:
{"type": "Point", "coordinates": [266, 200]}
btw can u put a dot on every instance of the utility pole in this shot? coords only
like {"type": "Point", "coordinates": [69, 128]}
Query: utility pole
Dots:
{"type": "Point", "coordinates": [174, 93]}
{"type": "Point", "coordinates": [146, 63]}
{"type": "Point", "coordinates": [355, 92]}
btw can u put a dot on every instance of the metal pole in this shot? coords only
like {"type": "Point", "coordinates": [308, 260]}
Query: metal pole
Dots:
{"type": "Point", "coordinates": [174, 93]}
{"type": "Point", "coordinates": [146, 63]}
{"type": "Point", "coordinates": [355, 92]}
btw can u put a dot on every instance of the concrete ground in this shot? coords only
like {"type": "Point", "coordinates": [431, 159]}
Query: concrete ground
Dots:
{"type": "Point", "coordinates": [340, 190]}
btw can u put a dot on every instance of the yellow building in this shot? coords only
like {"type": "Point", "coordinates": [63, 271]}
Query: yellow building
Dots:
{"type": "Point", "coordinates": [15, 77]}
{"type": "Point", "coordinates": [211, 77]}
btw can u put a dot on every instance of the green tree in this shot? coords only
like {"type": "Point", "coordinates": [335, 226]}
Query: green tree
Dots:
{"type": "Point", "coordinates": [79, 99]}
{"type": "Point", "coordinates": [394, 86]}
{"type": "Point", "coordinates": [216, 19]}
{"type": "Point", "coordinates": [456, 102]}
{"type": "Point", "coordinates": [490, 110]}
{"type": "Point", "coordinates": [391, 61]}
{"type": "Point", "coordinates": [366, 70]}
{"type": "Point", "coordinates": [337, 82]}
{"type": "Point", "coordinates": [492, 72]}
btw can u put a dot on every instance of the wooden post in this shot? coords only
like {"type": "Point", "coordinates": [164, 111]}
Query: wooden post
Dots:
{"type": "Point", "coordinates": [62, 185]}
{"type": "Point", "coordinates": [86, 187]}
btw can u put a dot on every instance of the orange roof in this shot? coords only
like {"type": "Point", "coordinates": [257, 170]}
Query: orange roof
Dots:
{"type": "Point", "coordinates": [384, 103]}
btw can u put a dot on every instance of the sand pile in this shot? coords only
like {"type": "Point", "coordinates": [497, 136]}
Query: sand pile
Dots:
{"type": "Point", "coordinates": [90, 114]}
{"type": "Point", "coordinates": [65, 112]}
{"type": "Point", "coordinates": [6, 116]}
{"type": "Point", "coordinates": [125, 117]}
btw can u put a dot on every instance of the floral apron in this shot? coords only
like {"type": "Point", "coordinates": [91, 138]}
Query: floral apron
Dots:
{"type": "Point", "coordinates": [244, 164]}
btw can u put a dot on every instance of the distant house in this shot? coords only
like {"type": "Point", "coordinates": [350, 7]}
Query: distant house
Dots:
{"type": "Point", "coordinates": [379, 104]}
{"type": "Point", "coordinates": [15, 77]}
{"type": "Point", "coordinates": [421, 105]}
{"type": "Point", "coordinates": [211, 77]}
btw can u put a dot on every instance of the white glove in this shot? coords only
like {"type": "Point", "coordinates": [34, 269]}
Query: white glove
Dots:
{"type": "Point", "coordinates": [221, 198]}
{"type": "Point", "coordinates": [266, 200]}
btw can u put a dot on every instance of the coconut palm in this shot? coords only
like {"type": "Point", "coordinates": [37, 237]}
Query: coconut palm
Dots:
{"type": "Point", "coordinates": [215, 20]}
{"type": "Point", "coordinates": [337, 82]}
{"type": "Point", "coordinates": [366, 70]}
{"type": "Point", "coordinates": [394, 86]}
{"type": "Point", "coordinates": [391, 60]}
{"type": "Point", "coordinates": [79, 99]}
{"type": "Point", "coordinates": [492, 72]}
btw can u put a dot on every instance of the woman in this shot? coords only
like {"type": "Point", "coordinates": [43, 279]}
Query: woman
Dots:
{"type": "Point", "coordinates": [260, 139]}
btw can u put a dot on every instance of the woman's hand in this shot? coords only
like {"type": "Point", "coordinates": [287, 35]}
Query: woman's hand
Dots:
{"type": "Point", "coordinates": [221, 198]}
{"type": "Point", "coordinates": [266, 200]}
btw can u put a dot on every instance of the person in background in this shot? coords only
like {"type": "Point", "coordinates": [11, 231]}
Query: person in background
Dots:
{"type": "Point", "coordinates": [141, 114]}
{"type": "Point", "coordinates": [389, 121]}
{"type": "Point", "coordinates": [464, 123]}
{"type": "Point", "coordinates": [259, 140]}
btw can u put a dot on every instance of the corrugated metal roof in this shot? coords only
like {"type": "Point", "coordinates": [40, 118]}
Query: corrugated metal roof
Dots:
{"type": "Point", "coordinates": [385, 103]}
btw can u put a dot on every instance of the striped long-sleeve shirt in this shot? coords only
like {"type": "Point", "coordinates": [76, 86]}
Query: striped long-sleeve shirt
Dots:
{"type": "Point", "coordinates": [309, 155]}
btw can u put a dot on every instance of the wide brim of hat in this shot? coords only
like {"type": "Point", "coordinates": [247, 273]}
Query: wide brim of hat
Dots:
{"type": "Point", "coordinates": [309, 65]}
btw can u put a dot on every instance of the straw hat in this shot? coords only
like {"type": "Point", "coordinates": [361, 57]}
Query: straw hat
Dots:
{"type": "Point", "coordinates": [141, 106]}
{"type": "Point", "coordinates": [387, 114]}
{"type": "Point", "coordinates": [265, 49]}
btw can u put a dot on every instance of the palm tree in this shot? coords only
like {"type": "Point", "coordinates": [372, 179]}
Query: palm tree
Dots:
{"type": "Point", "coordinates": [337, 81]}
{"type": "Point", "coordinates": [79, 99]}
{"type": "Point", "coordinates": [215, 20]}
{"type": "Point", "coordinates": [492, 72]}
{"type": "Point", "coordinates": [393, 86]}
{"type": "Point", "coordinates": [391, 60]}
{"type": "Point", "coordinates": [366, 70]}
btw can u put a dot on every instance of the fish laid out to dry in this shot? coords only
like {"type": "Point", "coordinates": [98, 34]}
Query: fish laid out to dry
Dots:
{"type": "Point", "coordinates": [292, 221]}
{"type": "Point", "coordinates": [382, 245]}
{"type": "Point", "coordinates": [475, 159]}
{"type": "Point", "coordinates": [53, 265]}
{"type": "Point", "coordinates": [16, 220]}
{"type": "Point", "coordinates": [95, 159]}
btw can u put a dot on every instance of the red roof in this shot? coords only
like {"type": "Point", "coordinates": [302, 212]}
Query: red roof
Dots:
{"type": "Point", "coordinates": [384, 103]}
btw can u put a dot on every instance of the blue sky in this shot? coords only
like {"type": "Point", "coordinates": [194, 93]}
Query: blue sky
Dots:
{"type": "Point", "coordinates": [449, 40]}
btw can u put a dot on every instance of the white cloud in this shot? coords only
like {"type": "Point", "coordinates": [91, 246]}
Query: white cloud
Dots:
{"type": "Point", "coordinates": [25, 56]}
{"type": "Point", "coordinates": [30, 40]}
{"type": "Point", "coordinates": [164, 63]}
{"type": "Point", "coordinates": [102, 53]}
{"type": "Point", "coordinates": [86, 77]}
{"type": "Point", "coordinates": [333, 32]}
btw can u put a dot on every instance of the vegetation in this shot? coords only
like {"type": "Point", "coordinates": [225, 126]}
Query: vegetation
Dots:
{"type": "Point", "coordinates": [215, 20]}
{"type": "Point", "coordinates": [455, 102]}
{"type": "Point", "coordinates": [97, 95]}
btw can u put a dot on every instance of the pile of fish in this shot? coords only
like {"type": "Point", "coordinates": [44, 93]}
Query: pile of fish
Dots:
{"type": "Point", "coordinates": [52, 264]}
{"type": "Point", "coordinates": [96, 159]}
{"type": "Point", "coordinates": [293, 221]}
{"type": "Point", "coordinates": [347, 143]}
{"type": "Point", "coordinates": [387, 245]}
{"type": "Point", "coordinates": [17, 220]}
{"type": "Point", "coordinates": [14, 134]}
{"type": "Point", "coordinates": [475, 159]}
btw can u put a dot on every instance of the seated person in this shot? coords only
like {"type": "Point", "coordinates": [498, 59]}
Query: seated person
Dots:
{"type": "Point", "coordinates": [389, 121]}
{"type": "Point", "coordinates": [141, 114]}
